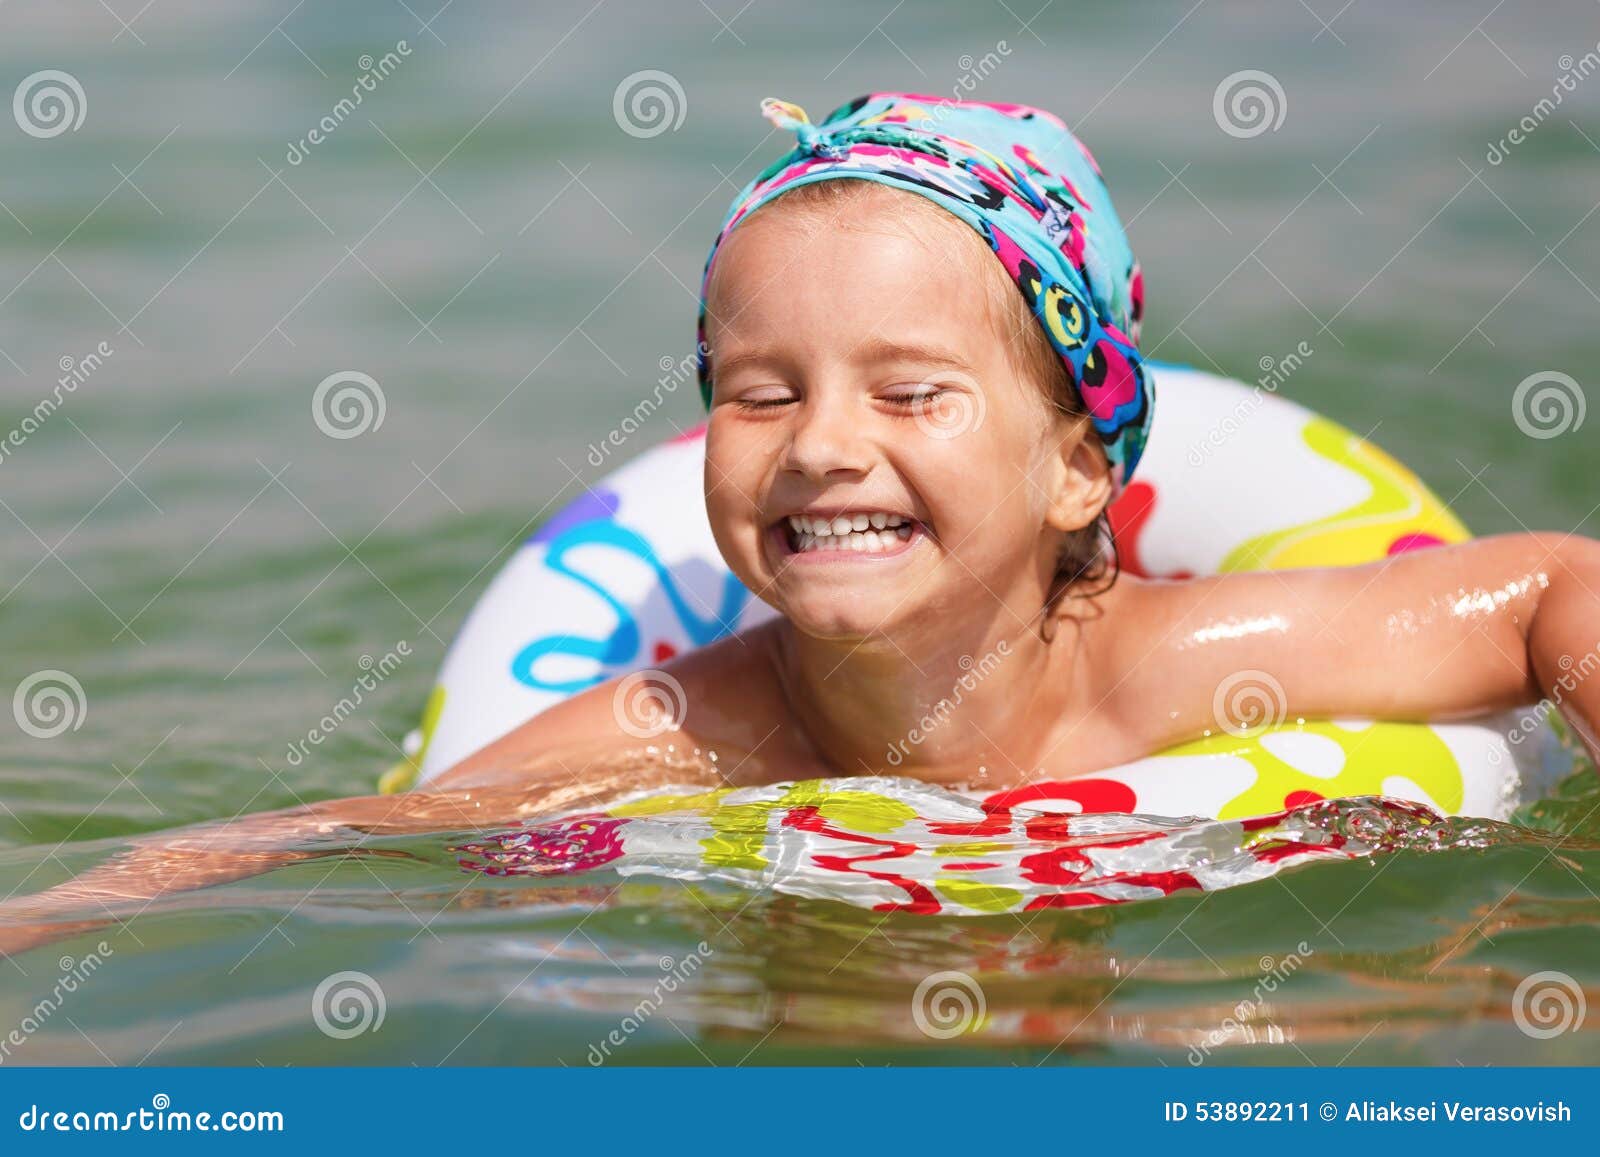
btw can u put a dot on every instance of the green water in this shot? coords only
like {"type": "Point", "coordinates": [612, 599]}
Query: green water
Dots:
{"type": "Point", "coordinates": [182, 539]}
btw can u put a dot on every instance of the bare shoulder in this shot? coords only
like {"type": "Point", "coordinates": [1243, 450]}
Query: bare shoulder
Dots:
{"type": "Point", "coordinates": [703, 713]}
{"type": "Point", "coordinates": [1448, 622]}
{"type": "Point", "coordinates": [1120, 625]}
{"type": "Point", "coordinates": [725, 693]}
{"type": "Point", "coordinates": [1107, 630]}
{"type": "Point", "coordinates": [1139, 652]}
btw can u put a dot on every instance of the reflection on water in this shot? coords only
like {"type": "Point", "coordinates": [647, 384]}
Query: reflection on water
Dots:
{"type": "Point", "coordinates": [1299, 964]}
{"type": "Point", "coordinates": [1164, 978]}
{"type": "Point", "coordinates": [1414, 952]}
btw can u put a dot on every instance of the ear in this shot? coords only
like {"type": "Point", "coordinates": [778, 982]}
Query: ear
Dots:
{"type": "Point", "coordinates": [1081, 478]}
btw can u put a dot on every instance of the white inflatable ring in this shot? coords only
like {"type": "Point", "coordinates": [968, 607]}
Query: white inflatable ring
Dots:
{"type": "Point", "coordinates": [627, 576]}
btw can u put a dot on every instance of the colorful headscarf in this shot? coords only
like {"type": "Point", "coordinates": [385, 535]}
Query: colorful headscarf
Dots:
{"type": "Point", "coordinates": [1032, 191]}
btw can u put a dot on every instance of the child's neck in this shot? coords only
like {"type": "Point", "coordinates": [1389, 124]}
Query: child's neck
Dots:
{"type": "Point", "coordinates": [962, 706]}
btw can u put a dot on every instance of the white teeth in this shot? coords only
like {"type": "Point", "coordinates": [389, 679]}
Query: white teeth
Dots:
{"type": "Point", "coordinates": [823, 535]}
{"type": "Point", "coordinates": [870, 532]}
{"type": "Point", "coordinates": [843, 523]}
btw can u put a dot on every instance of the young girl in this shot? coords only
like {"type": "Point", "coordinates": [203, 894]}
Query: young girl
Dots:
{"type": "Point", "coordinates": [919, 350]}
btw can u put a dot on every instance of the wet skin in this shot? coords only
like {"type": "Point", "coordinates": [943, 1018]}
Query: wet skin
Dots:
{"type": "Point", "coordinates": [837, 351]}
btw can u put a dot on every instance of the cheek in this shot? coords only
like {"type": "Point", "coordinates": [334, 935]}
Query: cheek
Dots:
{"type": "Point", "coordinates": [1032, 462]}
{"type": "Point", "coordinates": [976, 479]}
{"type": "Point", "coordinates": [733, 477]}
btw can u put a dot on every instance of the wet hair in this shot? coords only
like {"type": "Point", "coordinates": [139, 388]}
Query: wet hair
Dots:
{"type": "Point", "coordinates": [1089, 563]}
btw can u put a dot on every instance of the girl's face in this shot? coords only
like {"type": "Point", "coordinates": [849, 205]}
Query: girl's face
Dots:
{"type": "Point", "coordinates": [873, 458]}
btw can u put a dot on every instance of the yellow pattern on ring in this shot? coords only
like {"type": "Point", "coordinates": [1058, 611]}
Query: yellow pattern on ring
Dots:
{"type": "Point", "coordinates": [1398, 505]}
{"type": "Point", "coordinates": [402, 776]}
{"type": "Point", "coordinates": [1371, 754]}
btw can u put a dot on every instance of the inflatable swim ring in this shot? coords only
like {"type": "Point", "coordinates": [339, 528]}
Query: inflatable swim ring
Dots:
{"type": "Point", "coordinates": [628, 576]}
{"type": "Point", "coordinates": [900, 845]}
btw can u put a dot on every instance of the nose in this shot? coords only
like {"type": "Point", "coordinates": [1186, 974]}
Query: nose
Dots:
{"type": "Point", "coordinates": [826, 441]}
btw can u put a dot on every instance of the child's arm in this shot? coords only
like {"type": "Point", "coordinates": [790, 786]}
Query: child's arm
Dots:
{"type": "Point", "coordinates": [494, 792]}
{"type": "Point", "coordinates": [1431, 634]}
{"type": "Point", "coordinates": [218, 853]}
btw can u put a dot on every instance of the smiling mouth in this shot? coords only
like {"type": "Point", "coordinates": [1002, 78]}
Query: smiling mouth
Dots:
{"type": "Point", "coordinates": [865, 534]}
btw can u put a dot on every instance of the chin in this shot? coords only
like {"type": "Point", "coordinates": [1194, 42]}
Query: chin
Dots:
{"type": "Point", "coordinates": [840, 616]}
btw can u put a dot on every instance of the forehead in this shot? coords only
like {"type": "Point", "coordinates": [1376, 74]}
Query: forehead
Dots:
{"type": "Point", "coordinates": [860, 259]}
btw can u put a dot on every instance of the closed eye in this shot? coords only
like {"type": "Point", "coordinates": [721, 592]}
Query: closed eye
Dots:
{"type": "Point", "coordinates": [913, 397]}
{"type": "Point", "coordinates": [764, 403]}
{"type": "Point", "coordinates": [766, 398]}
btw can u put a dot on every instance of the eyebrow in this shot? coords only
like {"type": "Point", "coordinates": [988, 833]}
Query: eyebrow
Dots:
{"type": "Point", "coordinates": [721, 367]}
{"type": "Point", "coordinates": [875, 351]}
{"type": "Point", "coordinates": [880, 350]}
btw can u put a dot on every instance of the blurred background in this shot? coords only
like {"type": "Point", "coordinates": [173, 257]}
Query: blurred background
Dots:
{"type": "Point", "coordinates": [505, 236]}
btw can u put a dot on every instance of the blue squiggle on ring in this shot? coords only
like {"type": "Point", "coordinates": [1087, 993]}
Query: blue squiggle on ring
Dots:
{"type": "Point", "coordinates": [621, 647]}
